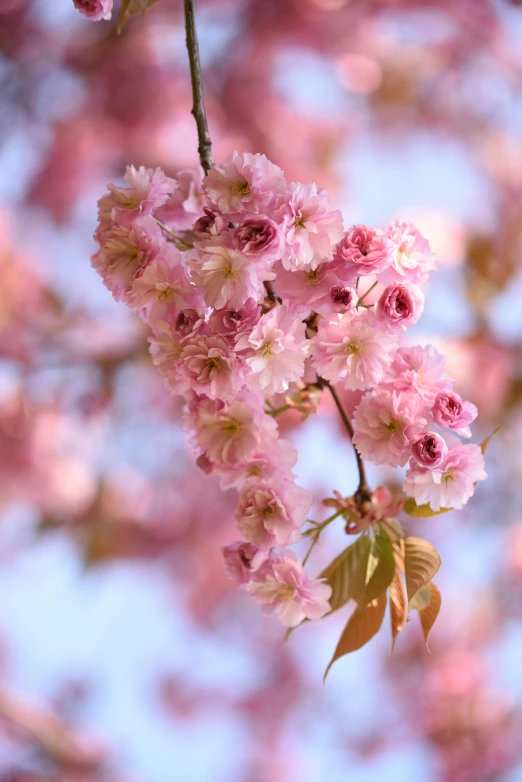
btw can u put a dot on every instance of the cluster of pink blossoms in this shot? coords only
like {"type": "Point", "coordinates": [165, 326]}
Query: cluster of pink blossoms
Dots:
{"type": "Point", "coordinates": [226, 271]}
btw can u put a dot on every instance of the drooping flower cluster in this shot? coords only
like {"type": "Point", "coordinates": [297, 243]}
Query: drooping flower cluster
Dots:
{"type": "Point", "coordinates": [232, 275]}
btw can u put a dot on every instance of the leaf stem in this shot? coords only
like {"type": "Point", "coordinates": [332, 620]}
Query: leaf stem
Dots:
{"type": "Point", "coordinates": [179, 239]}
{"type": "Point", "coordinates": [198, 108]}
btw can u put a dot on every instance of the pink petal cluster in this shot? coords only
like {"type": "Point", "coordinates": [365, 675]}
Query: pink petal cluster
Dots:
{"type": "Point", "coordinates": [249, 287]}
{"type": "Point", "coordinates": [351, 348]}
{"type": "Point", "coordinates": [451, 483]}
{"type": "Point", "coordinates": [95, 10]}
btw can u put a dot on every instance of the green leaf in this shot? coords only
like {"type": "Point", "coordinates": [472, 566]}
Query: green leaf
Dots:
{"type": "Point", "coordinates": [429, 614]}
{"type": "Point", "coordinates": [422, 511]}
{"type": "Point", "coordinates": [347, 573]}
{"type": "Point", "coordinates": [398, 605]}
{"type": "Point", "coordinates": [380, 570]}
{"type": "Point", "coordinates": [421, 599]}
{"type": "Point", "coordinates": [362, 626]}
{"type": "Point", "coordinates": [130, 7]}
{"type": "Point", "coordinates": [484, 444]}
{"type": "Point", "coordinates": [421, 562]}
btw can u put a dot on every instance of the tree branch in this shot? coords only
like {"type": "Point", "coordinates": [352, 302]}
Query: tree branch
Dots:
{"type": "Point", "coordinates": [198, 108]}
{"type": "Point", "coordinates": [363, 492]}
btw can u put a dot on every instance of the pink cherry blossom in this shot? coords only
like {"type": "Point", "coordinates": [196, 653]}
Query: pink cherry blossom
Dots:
{"type": "Point", "coordinates": [429, 449]}
{"type": "Point", "coordinates": [451, 412]}
{"type": "Point", "coordinates": [307, 289]}
{"type": "Point", "coordinates": [259, 237]}
{"type": "Point", "coordinates": [230, 433]}
{"type": "Point", "coordinates": [126, 248]}
{"type": "Point", "coordinates": [227, 277]}
{"type": "Point", "coordinates": [400, 306]}
{"type": "Point", "coordinates": [286, 590]}
{"type": "Point", "coordinates": [243, 560]}
{"type": "Point", "coordinates": [419, 369]}
{"type": "Point", "coordinates": [271, 513]}
{"type": "Point", "coordinates": [162, 288]}
{"type": "Point", "coordinates": [275, 351]}
{"type": "Point", "coordinates": [148, 189]}
{"type": "Point", "coordinates": [385, 422]}
{"type": "Point", "coordinates": [246, 183]}
{"type": "Point", "coordinates": [351, 348]}
{"type": "Point", "coordinates": [412, 258]}
{"type": "Point", "coordinates": [210, 224]}
{"type": "Point", "coordinates": [362, 251]}
{"type": "Point", "coordinates": [342, 298]}
{"type": "Point", "coordinates": [211, 367]}
{"type": "Point", "coordinates": [311, 227]}
{"type": "Point", "coordinates": [95, 10]}
{"type": "Point", "coordinates": [274, 458]}
{"type": "Point", "coordinates": [233, 324]}
{"type": "Point", "coordinates": [186, 203]}
{"type": "Point", "coordinates": [452, 483]}
{"type": "Point", "coordinates": [166, 348]}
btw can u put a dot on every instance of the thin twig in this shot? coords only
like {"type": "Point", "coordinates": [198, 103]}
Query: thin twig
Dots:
{"type": "Point", "coordinates": [363, 492]}
{"type": "Point", "coordinates": [198, 108]}
{"type": "Point", "coordinates": [362, 298]}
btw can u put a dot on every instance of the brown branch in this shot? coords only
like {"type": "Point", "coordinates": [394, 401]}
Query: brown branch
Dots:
{"type": "Point", "coordinates": [198, 108]}
{"type": "Point", "coordinates": [363, 492]}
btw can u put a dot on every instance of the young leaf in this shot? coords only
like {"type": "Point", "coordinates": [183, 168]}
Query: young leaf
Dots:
{"type": "Point", "coordinates": [484, 444]}
{"type": "Point", "coordinates": [398, 605]}
{"type": "Point", "coordinates": [429, 614]}
{"type": "Point", "coordinates": [421, 599]}
{"type": "Point", "coordinates": [130, 7]}
{"type": "Point", "coordinates": [347, 573]}
{"type": "Point", "coordinates": [421, 562]}
{"type": "Point", "coordinates": [362, 626]}
{"type": "Point", "coordinates": [381, 567]}
{"type": "Point", "coordinates": [422, 511]}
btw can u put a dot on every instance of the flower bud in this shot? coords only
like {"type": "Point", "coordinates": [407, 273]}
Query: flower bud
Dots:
{"type": "Point", "coordinates": [429, 449]}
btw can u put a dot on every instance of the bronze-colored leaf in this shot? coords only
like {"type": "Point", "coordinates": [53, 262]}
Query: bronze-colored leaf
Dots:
{"type": "Point", "coordinates": [130, 7]}
{"type": "Point", "coordinates": [422, 511]}
{"type": "Point", "coordinates": [362, 626]}
{"type": "Point", "coordinates": [484, 444]}
{"type": "Point", "coordinates": [429, 614]}
{"type": "Point", "coordinates": [347, 573]}
{"type": "Point", "coordinates": [398, 605]}
{"type": "Point", "coordinates": [381, 567]}
{"type": "Point", "coordinates": [421, 599]}
{"type": "Point", "coordinates": [421, 562]}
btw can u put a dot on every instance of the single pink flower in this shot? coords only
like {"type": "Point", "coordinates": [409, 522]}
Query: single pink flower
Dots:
{"type": "Point", "coordinates": [245, 183]}
{"type": "Point", "coordinates": [363, 251]}
{"type": "Point", "coordinates": [275, 351]}
{"type": "Point", "coordinates": [451, 412]}
{"type": "Point", "coordinates": [230, 433]}
{"type": "Point", "coordinates": [212, 368]}
{"type": "Point", "coordinates": [429, 449]}
{"type": "Point", "coordinates": [273, 459]}
{"type": "Point", "coordinates": [452, 483]}
{"type": "Point", "coordinates": [95, 10]}
{"type": "Point", "coordinates": [227, 277]}
{"type": "Point", "coordinates": [271, 513]}
{"type": "Point", "coordinates": [419, 369]}
{"type": "Point", "coordinates": [412, 258]}
{"type": "Point", "coordinates": [400, 306]}
{"type": "Point", "coordinates": [260, 238]}
{"type": "Point", "coordinates": [385, 422]}
{"type": "Point", "coordinates": [243, 560]}
{"type": "Point", "coordinates": [352, 349]}
{"type": "Point", "coordinates": [166, 348]}
{"type": "Point", "coordinates": [233, 324]}
{"type": "Point", "coordinates": [210, 224]}
{"type": "Point", "coordinates": [342, 298]}
{"type": "Point", "coordinates": [312, 228]}
{"type": "Point", "coordinates": [162, 288]}
{"type": "Point", "coordinates": [285, 590]}
{"type": "Point", "coordinates": [125, 249]}
{"type": "Point", "coordinates": [148, 189]}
